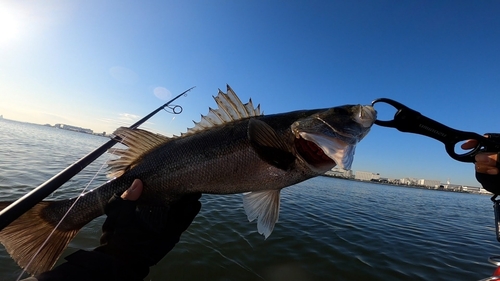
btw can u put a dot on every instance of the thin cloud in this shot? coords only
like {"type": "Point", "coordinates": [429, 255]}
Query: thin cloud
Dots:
{"type": "Point", "coordinates": [128, 117]}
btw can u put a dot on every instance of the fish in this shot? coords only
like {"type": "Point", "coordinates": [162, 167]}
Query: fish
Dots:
{"type": "Point", "coordinates": [234, 148]}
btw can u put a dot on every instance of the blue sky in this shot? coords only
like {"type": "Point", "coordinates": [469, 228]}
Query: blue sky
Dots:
{"type": "Point", "coordinates": [98, 64]}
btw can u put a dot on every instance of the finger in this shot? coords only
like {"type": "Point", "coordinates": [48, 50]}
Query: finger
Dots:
{"type": "Point", "coordinates": [469, 144]}
{"type": "Point", "coordinates": [486, 169]}
{"type": "Point", "coordinates": [492, 171]}
{"type": "Point", "coordinates": [487, 158]}
{"type": "Point", "coordinates": [134, 191]}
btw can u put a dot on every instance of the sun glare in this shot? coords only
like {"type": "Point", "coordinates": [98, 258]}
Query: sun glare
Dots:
{"type": "Point", "coordinates": [10, 24]}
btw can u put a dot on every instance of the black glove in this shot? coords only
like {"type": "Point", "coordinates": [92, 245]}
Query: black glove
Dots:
{"type": "Point", "coordinates": [129, 244]}
{"type": "Point", "coordinates": [491, 182]}
{"type": "Point", "coordinates": [139, 243]}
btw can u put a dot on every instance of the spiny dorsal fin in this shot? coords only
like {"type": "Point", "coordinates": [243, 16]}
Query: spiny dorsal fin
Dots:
{"type": "Point", "coordinates": [138, 142]}
{"type": "Point", "coordinates": [230, 109]}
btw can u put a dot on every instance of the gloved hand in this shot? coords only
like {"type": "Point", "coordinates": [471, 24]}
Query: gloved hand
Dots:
{"type": "Point", "coordinates": [487, 166]}
{"type": "Point", "coordinates": [129, 244]}
{"type": "Point", "coordinates": [136, 242]}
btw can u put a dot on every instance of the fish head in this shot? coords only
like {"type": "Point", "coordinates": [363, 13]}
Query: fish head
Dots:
{"type": "Point", "coordinates": [328, 137]}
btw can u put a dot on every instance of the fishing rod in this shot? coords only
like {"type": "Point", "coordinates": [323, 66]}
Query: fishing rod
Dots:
{"type": "Point", "coordinates": [23, 204]}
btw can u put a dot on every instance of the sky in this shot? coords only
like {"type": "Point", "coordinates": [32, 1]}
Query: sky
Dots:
{"type": "Point", "coordinates": [105, 64]}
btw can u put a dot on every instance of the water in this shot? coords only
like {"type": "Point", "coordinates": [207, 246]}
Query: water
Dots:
{"type": "Point", "coordinates": [329, 229]}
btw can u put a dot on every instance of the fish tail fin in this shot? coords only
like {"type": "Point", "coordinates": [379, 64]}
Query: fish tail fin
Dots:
{"type": "Point", "coordinates": [26, 238]}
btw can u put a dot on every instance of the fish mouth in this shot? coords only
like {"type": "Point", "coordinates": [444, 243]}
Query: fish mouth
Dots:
{"type": "Point", "coordinates": [315, 154]}
{"type": "Point", "coordinates": [312, 153]}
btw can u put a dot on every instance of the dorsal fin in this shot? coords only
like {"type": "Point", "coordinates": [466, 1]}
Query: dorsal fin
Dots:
{"type": "Point", "coordinates": [138, 142]}
{"type": "Point", "coordinates": [230, 109]}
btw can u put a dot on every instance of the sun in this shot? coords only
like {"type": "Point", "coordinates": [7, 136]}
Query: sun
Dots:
{"type": "Point", "coordinates": [10, 24]}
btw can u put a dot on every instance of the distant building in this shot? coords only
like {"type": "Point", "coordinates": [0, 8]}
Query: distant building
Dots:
{"type": "Point", "coordinates": [339, 173]}
{"type": "Point", "coordinates": [471, 189]}
{"type": "Point", "coordinates": [393, 181]}
{"type": "Point", "coordinates": [408, 181]}
{"type": "Point", "coordinates": [453, 187]}
{"type": "Point", "coordinates": [484, 191]}
{"type": "Point", "coordinates": [413, 182]}
{"type": "Point", "coordinates": [366, 176]}
{"type": "Point", "coordinates": [429, 183]}
{"type": "Point", "coordinates": [73, 128]}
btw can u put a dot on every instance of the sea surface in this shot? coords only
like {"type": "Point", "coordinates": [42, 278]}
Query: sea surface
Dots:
{"type": "Point", "coordinates": [329, 229]}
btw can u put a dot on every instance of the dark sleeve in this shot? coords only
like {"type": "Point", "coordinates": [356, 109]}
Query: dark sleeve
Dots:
{"type": "Point", "coordinates": [96, 266]}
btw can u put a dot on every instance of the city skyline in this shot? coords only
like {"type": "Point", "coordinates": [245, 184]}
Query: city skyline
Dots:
{"type": "Point", "coordinates": [404, 178]}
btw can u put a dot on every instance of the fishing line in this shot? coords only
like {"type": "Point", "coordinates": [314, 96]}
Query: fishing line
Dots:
{"type": "Point", "coordinates": [82, 193]}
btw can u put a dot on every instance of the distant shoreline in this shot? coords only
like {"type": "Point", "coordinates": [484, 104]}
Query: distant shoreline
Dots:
{"type": "Point", "coordinates": [409, 185]}
{"type": "Point", "coordinates": [70, 128]}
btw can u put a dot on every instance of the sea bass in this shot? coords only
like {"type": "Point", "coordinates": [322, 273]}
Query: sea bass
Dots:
{"type": "Point", "coordinates": [233, 149]}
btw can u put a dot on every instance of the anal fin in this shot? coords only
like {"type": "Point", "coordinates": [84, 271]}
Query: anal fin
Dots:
{"type": "Point", "coordinates": [263, 206]}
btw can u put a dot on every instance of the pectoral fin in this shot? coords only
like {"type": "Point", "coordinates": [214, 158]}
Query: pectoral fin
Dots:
{"type": "Point", "coordinates": [263, 206]}
{"type": "Point", "coordinates": [269, 146]}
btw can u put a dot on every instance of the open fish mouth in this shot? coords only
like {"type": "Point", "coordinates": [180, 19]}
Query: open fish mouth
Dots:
{"type": "Point", "coordinates": [312, 153]}
{"type": "Point", "coordinates": [322, 152]}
